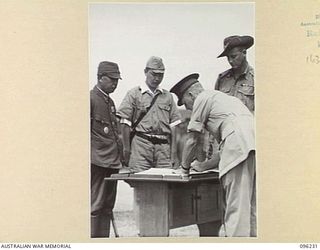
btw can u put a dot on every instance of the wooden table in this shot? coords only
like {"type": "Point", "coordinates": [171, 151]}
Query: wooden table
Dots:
{"type": "Point", "coordinates": [162, 203]}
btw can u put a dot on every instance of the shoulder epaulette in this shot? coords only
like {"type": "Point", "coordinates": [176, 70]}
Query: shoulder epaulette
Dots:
{"type": "Point", "coordinates": [223, 74]}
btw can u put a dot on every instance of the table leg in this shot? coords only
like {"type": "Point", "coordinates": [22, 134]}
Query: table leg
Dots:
{"type": "Point", "coordinates": [151, 209]}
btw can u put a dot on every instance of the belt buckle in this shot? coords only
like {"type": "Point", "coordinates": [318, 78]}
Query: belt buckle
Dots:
{"type": "Point", "coordinates": [153, 140]}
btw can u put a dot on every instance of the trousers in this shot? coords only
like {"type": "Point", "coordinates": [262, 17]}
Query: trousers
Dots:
{"type": "Point", "coordinates": [239, 200]}
{"type": "Point", "coordinates": [103, 197]}
{"type": "Point", "coordinates": [146, 155]}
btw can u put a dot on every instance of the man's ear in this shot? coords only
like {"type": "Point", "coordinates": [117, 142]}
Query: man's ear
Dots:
{"type": "Point", "coordinates": [191, 95]}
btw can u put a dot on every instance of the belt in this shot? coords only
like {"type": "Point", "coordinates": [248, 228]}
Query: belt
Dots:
{"type": "Point", "coordinates": [155, 139]}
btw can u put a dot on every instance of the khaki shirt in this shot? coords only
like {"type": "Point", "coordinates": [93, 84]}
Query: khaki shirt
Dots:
{"type": "Point", "coordinates": [159, 120]}
{"type": "Point", "coordinates": [230, 122]}
{"type": "Point", "coordinates": [106, 146]}
{"type": "Point", "coordinates": [242, 88]}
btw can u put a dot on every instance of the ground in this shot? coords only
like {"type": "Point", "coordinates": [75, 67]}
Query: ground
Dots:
{"type": "Point", "coordinates": [124, 218]}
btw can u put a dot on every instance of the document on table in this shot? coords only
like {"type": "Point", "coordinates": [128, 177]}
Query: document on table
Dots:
{"type": "Point", "coordinates": [167, 172]}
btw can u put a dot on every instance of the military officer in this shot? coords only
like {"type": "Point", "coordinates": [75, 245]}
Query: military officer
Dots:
{"type": "Point", "coordinates": [154, 142]}
{"type": "Point", "coordinates": [232, 125]}
{"type": "Point", "coordinates": [239, 80]}
{"type": "Point", "coordinates": [106, 148]}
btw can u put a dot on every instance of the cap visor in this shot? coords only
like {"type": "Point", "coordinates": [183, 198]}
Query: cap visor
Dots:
{"type": "Point", "coordinates": [114, 75]}
{"type": "Point", "coordinates": [157, 71]}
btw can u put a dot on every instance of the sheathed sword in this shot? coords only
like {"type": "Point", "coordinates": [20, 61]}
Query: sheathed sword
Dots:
{"type": "Point", "coordinates": [114, 226]}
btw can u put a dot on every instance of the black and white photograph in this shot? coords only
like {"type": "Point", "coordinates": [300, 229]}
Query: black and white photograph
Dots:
{"type": "Point", "coordinates": [172, 120]}
{"type": "Point", "coordinates": [160, 122]}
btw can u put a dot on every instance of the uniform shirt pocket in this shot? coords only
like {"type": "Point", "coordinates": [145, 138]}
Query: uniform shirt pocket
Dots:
{"type": "Point", "coordinates": [164, 113]}
{"type": "Point", "coordinates": [246, 89]}
{"type": "Point", "coordinates": [100, 127]}
{"type": "Point", "coordinates": [141, 107]}
{"type": "Point", "coordinates": [164, 107]}
{"type": "Point", "coordinates": [246, 95]}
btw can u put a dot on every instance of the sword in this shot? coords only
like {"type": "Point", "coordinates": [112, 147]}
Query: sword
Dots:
{"type": "Point", "coordinates": [114, 226]}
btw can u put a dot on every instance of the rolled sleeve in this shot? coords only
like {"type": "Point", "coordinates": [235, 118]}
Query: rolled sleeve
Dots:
{"type": "Point", "coordinates": [125, 121]}
{"type": "Point", "coordinates": [125, 111]}
{"type": "Point", "coordinates": [195, 126]}
{"type": "Point", "coordinates": [175, 117]}
{"type": "Point", "coordinates": [200, 113]}
{"type": "Point", "coordinates": [175, 123]}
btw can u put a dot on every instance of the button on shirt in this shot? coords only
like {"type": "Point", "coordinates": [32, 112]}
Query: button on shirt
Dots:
{"type": "Point", "coordinates": [230, 122]}
{"type": "Point", "coordinates": [106, 146]}
{"type": "Point", "coordinates": [161, 117]}
{"type": "Point", "coordinates": [242, 88]}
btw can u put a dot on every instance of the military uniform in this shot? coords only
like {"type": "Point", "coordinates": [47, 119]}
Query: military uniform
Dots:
{"type": "Point", "coordinates": [106, 152]}
{"type": "Point", "coordinates": [156, 123]}
{"type": "Point", "coordinates": [242, 87]}
{"type": "Point", "coordinates": [105, 141]}
{"type": "Point", "coordinates": [232, 125]}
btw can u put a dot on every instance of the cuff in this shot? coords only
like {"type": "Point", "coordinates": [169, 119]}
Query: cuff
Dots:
{"type": "Point", "coordinates": [125, 121]}
{"type": "Point", "coordinates": [173, 124]}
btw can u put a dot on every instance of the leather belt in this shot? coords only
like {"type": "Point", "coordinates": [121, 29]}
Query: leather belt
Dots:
{"type": "Point", "coordinates": [155, 139]}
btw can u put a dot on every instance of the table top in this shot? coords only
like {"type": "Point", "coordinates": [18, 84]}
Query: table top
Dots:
{"type": "Point", "coordinates": [198, 177]}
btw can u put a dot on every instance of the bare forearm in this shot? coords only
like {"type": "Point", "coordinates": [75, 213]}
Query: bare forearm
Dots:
{"type": "Point", "coordinates": [173, 145]}
{"type": "Point", "coordinates": [190, 149]}
{"type": "Point", "coordinates": [125, 131]}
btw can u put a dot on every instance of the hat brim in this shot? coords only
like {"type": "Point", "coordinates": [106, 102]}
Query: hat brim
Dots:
{"type": "Point", "coordinates": [157, 71]}
{"type": "Point", "coordinates": [224, 53]}
{"type": "Point", "coordinates": [246, 45]}
{"type": "Point", "coordinates": [114, 75]}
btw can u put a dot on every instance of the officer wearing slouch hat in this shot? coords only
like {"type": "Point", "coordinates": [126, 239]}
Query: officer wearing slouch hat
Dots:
{"type": "Point", "coordinates": [232, 125]}
{"type": "Point", "coordinates": [153, 144]}
{"type": "Point", "coordinates": [106, 148]}
{"type": "Point", "coordinates": [239, 80]}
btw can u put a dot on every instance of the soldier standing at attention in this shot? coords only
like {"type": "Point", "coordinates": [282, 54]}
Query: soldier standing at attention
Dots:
{"type": "Point", "coordinates": [106, 148]}
{"type": "Point", "coordinates": [151, 114]}
{"type": "Point", "coordinates": [239, 80]}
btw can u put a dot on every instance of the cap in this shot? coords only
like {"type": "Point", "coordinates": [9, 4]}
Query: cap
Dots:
{"type": "Point", "coordinates": [155, 64]}
{"type": "Point", "coordinates": [182, 86]}
{"type": "Point", "coordinates": [236, 41]}
{"type": "Point", "coordinates": [109, 69]}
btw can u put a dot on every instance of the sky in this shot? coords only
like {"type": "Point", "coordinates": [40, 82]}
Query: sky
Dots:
{"type": "Point", "coordinates": [187, 36]}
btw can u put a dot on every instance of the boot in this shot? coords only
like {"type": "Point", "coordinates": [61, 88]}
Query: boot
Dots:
{"type": "Point", "coordinates": [100, 226]}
